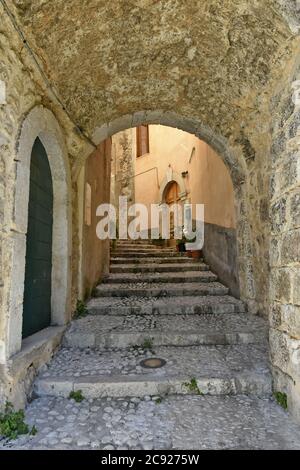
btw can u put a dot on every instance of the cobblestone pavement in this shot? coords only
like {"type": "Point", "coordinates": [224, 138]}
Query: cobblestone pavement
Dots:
{"type": "Point", "coordinates": [212, 393]}
{"type": "Point", "coordinates": [192, 422]}
{"type": "Point", "coordinates": [186, 362]}
{"type": "Point", "coordinates": [136, 323]}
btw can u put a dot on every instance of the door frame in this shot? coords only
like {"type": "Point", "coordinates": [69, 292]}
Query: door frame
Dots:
{"type": "Point", "coordinates": [40, 122]}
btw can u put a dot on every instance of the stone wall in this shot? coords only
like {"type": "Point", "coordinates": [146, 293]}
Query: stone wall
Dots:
{"type": "Point", "coordinates": [285, 240]}
{"type": "Point", "coordinates": [220, 252]}
{"type": "Point", "coordinates": [26, 92]}
{"type": "Point", "coordinates": [123, 166]}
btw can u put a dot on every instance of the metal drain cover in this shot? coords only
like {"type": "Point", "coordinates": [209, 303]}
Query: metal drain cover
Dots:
{"type": "Point", "coordinates": [153, 363]}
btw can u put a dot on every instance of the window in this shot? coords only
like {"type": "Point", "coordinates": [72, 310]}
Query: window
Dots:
{"type": "Point", "coordinates": [142, 140]}
{"type": "Point", "coordinates": [88, 205]}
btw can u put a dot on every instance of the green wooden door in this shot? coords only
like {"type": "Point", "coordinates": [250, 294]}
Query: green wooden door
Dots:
{"type": "Point", "coordinates": [37, 289]}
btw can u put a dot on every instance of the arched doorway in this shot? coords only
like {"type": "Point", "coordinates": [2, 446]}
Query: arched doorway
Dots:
{"type": "Point", "coordinates": [38, 268]}
{"type": "Point", "coordinates": [172, 197]}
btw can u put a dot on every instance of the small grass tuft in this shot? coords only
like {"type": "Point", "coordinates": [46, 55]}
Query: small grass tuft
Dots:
{"type": "Point", "coordinates": [158, 400]}
{"type": "Point", "coordinates": [192, 386]}
{"type": "Point", "coordinates": [148, 344]}
{"type": "Point", "coordinates": [76, 395]}
{"type": "Point", "coordinates": [12, 423]}
{"type": "Point", "coordinates": [281, 399]}
{"type": "Point", "coordinates": [81, 310]}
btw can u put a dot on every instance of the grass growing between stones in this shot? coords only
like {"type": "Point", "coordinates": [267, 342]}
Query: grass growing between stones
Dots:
{"type": "Point", "coordinates": [148, 344]}
{"type": "Point", "coordinates": [192, 386]}
{"type": "Point", "coordinates": [12, 423]}
{"type": "Point", "coordinates": [281, 399]}
{"type": "Point", "coordinates": [76, 395]}
{"type": "Point", "coordinates": [81, 310]}
{"type": "Point", "coordinates": [158, 400]}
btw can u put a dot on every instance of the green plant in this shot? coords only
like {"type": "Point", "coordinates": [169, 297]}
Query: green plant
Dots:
{"type": "Point", "coordinates": [158, 400]}
{"type": "Point", "coordinates": [281, 399]}
{"type": "Point", "coordinates": [12, 423]}
{"type": "Point", "coordinates": [76, 395]}
{"type": "Point", "coordinates": [148, 343]}
{"type": "Point", "coordinates": [33, 431]}
{"type": "Point", "coordinates": [192, 386]}
{"type": "Point", "coordinates": [81, 310]}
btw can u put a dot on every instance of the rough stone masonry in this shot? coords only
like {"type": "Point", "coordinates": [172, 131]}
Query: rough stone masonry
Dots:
{"type": "Point", "coordinates": [221, 70]}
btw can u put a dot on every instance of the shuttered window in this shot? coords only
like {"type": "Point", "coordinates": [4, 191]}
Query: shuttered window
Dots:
{"type": "Point", "coordinates": [142, 140]}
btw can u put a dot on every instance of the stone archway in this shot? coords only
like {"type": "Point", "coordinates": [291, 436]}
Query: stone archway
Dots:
{"type": "Point", "coordinates": [235, 164]}
{"type": "Point", "coordinates": [41, 123]}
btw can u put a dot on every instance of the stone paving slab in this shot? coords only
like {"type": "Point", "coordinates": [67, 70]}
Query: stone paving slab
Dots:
{"type": "Point", "coordinates": [152, 289]}
{"type": "Point", "coordinates": [121, 331]}
{"type": "Point", "coordinates": [165, 306]}
{"type": "Point", "coordinates": [185, 422]}
{"type": "Point", "coordinates": [187, 276]}
{"type": "Point", "coordinates": [218, 370]}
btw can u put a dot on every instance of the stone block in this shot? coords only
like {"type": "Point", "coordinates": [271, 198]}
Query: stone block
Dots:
{"type": "Point", "coordinates": [275, 315]}
{"type": "Point", "coordinates": [100, 134]}
{"type": "Point", "coordinates": [290, 173]}
{"type": "Point", "coordinates": [120, 124]}
{"type": "Point", "coordinates": [285, 353]}
{"type": "Point", "coordinates": [281, 285]}
{"type": "Point", "coordinates": [295, 211]}
{"type": "Point", "coordinates": [278, 147]}
{"type": "Point", "coordinates": [290, 251]}
{"type": "Point", "coordinates": [294, 125]}
{"type": "Point", "coordinates": [289, 320]}
{"type": "Point", "coordinates": [275, 252]}
{"type": "Point", "coordinates": [278, 215]}
{"type": "Point", "coordinates": [295, 276]}
{"type": "Point", "coordinates": [58, 387]}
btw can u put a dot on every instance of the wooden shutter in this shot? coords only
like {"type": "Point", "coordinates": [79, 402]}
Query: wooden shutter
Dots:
{"type": "Point", "coordinates": [142, 140]}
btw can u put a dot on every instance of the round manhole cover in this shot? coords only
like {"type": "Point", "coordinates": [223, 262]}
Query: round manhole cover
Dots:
{"type": "Point", "coordinates": [153, 363]}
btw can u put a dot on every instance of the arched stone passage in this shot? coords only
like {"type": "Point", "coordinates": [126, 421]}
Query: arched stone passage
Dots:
{"type": "Point", "coordinates": [232, 159]}
{"type": "Point", "coordinates": [41, 123]}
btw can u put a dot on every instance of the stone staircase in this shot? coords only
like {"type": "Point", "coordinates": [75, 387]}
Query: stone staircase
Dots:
{"type": "Point", "coordinates": [158, 303]}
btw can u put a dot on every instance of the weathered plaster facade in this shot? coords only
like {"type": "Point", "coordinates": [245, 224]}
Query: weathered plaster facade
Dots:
{"type": "Point", "coordinates": [212, 68]}
{"type": "Point", "coordinates": [95, 252]}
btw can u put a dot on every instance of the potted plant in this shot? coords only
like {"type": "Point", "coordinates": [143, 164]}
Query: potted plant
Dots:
{"type": "Point", "coordinates": [180, 245]}
{"type": "Point", "coordinates": [195, 254]}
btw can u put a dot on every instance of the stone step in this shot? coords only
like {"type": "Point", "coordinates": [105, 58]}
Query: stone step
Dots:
{"type": "Point", "coordinates": [216, 370]}
{"type": "Point", "coordinates": [165, 306]}
{"type": "Point", "coordinates": [147, 254]}
{"type": "Point", "coordinates": [123, 331]}
{"type": "Point", "coordinates": [157, 260]}
{"type": "Point", "coordinates": [185, 276]}
{"type": "Point", "coordinates": [157, 268]}
{"type": "Point", "coordinates": [132, 247]}
{"type": "Point", "coordinates": [129, 241]}
{"type": "Point", "coordinates": [151, 289]}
